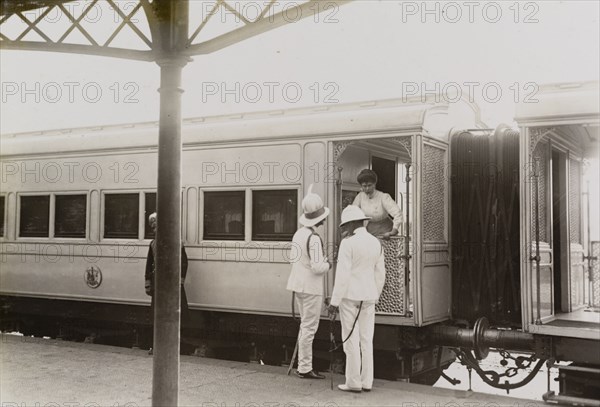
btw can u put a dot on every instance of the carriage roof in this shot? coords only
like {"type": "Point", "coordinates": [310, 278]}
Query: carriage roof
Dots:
{"type": "Point", "coordinates": [571, 110]}
{"type": "Point", "coordinates": [386, 116]}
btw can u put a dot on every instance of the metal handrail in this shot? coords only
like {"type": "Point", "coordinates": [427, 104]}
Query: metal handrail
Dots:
{"type": "Point", "coordinates": [536, 258]}
{"type": "Point", "coordinates": [407, 255]}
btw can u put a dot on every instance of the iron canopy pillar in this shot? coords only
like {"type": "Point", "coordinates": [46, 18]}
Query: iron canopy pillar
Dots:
{"type": "Point", "coordinates": [171, 46]}
{"type": "Point", "coordinates": [172, 25]}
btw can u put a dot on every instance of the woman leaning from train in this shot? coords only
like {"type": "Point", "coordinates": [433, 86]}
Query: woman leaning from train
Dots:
{"type": "Point", "coordinates": [359, 281]}
{"type": "Point", "coordinates": [378, 205]}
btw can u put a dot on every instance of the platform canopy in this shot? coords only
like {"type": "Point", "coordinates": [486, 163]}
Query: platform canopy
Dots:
{"type": "Point", "coordinates": [168, 32]}
{"type": "Point", "coordinates": [131, 29]}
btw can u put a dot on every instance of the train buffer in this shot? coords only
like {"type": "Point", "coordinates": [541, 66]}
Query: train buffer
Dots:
{"type": "Point", "coordinates": [46, 372]}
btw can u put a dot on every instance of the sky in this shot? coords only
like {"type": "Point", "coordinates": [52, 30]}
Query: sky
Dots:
{"type": "Point", "coordinates": [496, 53]}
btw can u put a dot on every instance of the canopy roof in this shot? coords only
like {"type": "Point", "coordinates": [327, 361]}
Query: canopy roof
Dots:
{"type": "Point", "coordinates": [14, 6]}
{"type": "Point", "coordinates": [147, 30]}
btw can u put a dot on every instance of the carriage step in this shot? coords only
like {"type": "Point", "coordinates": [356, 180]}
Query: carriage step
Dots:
{"type": "Point", "coordinates": [579, 386]}
{"type": "Point", "coordinates": [551, 397]}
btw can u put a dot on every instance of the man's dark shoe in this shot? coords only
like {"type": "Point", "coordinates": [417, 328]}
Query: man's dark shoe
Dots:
{"type": "Point", "coordinates": [310, 375]}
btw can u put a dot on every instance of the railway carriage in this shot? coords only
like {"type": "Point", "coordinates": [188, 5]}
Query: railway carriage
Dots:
{"type": "Point", "coordinates": [75, 232]}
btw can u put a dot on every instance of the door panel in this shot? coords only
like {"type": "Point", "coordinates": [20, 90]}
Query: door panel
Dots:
{"type": "Point", "coordinates": [577, 280]}
{"type": "Point", "coordinates": [543, 288]}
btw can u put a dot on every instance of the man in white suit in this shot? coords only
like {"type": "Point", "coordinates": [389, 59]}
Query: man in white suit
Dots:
{"type": "Point", "coordinates": [359, 280]}
{"type": "Point", "coordinates": [309, 265]}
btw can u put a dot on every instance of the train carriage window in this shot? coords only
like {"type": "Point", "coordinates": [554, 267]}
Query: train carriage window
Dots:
{"type": "Point", "coordinates": [35, 216]}
{"type": "Point", "coordinates": [70, 216]}
{"type": "Point", "coordinates": [121, 216]}
{"type": "Point", "coordinates": [224, 215]}
{"type": "Point", "coordinates": [348, 197]}
{"type": "Point", "coordinates": [150, 208]}
{"type": "Point", "coordinates": [2, 216]}
{"type": "Point", "coordinates": [274, 215]}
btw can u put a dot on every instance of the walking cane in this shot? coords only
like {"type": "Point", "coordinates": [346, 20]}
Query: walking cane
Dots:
{"type": "Point", "coordinates": [294, 355]}
{"type": "Point", "coordinates": [297, 339]}
{"type": "Point", "coordinates": [332, 341]}
{"type": "Point", "coordinates": [332, 346]}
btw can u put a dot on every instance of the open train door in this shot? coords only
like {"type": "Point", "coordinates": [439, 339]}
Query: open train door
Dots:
{"type": "Point", "coordinates": [559, 146]}
{"type": "Point", "coordinates": [407, 144]}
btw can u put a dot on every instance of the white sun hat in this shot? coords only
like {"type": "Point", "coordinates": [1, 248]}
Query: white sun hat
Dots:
{"type": "Point", "coordinates": [314, 211]}
{"type": "Point", "coordinates": [352, 213]}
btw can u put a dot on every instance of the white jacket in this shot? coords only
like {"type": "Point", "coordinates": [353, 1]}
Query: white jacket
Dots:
{"type": "Point", "coordinates": [307, 267]}
{"type": "Point", "coordinates": [360, 272]}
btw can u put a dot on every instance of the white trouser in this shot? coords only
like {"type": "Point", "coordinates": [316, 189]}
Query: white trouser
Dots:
{"type": "Point", "coordinates": [309, 307]}
{"type": "Point", "coordinates": [359, 347]}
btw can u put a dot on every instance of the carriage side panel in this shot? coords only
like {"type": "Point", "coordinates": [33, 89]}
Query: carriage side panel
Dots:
{"type": "Point", "coordinates": [435, 279]}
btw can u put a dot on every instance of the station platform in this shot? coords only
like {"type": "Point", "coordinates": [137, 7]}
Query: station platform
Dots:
{"type": "Point", "coordinates": [53, 373]}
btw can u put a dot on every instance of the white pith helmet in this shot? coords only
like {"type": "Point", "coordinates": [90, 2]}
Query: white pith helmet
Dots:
{"type": "Point", "coordinates": [314, 211]}
{"type": "Point", "coordinates": [352, 213]}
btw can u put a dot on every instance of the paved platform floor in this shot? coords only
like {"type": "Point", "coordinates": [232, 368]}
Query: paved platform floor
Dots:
{"type": "Point", "coordinates": [50, 373]}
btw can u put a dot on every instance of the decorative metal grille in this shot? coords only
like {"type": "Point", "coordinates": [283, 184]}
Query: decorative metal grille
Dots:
{"type": "Point", "coordinates": [575, 201]}
{"type": "Point", "coordinates": [540, 159]}
{"type": "Point", "coordinates": [434, 192]}
{"type": "Point", "coordinates": [391, 301]}
{"type": "Point", "coordinates": [577, 277]}
{"type": "Point", "coordinates": [595, 300]}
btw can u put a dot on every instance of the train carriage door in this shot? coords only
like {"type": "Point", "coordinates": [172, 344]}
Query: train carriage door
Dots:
{"type": "Point", "coordinates": [567, 248]}
{"type": "Point", "coordinates": [541, 249]}
{"type": "Point", "coordinates": [559, 232]}
{"type": "Point", "coordinates": [385, 156]}
{"type": "Point", "coordinates": [386, 174]}
{"type": "Point", "coordinates": [575, 243]}
{"type": "Point", "coordinates": [559, 137]}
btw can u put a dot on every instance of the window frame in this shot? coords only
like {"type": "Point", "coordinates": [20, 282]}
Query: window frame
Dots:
{"type": "Point", "coordinates": [87, 214]}
{"type": "Point", "coordinates": [143, 218]}
{"type": "Point", "coordinates": [52, 215]}
{"type": "Point", "coordinates": [103, 214]}
{"type": "Point", "coordinates": [248, 219]}
{"type": "Point", "coordinates": [278, 189]}
{"type": "Point", "coordinates": [349, 188]}
{"type": "Point", "coordinates": [141, 213]}
{"type": "Point", "coordinates": [201, 207]}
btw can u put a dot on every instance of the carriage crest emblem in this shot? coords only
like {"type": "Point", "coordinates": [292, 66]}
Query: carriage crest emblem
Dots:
{"type": "Point", "coordinates": [93, 277]}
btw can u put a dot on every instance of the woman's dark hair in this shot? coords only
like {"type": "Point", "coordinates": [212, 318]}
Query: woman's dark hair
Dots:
{"type": "Point", "coordinates": [367, 175]}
